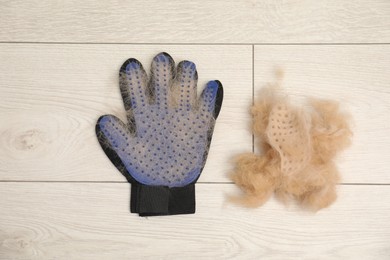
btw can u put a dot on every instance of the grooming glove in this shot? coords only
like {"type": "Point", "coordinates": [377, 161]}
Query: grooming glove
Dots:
{"type": "Point", "coordinates": [163, 147]}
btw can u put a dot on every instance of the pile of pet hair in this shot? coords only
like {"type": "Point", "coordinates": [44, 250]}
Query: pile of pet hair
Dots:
{"type": "Point", "coordinates": [297, 148]}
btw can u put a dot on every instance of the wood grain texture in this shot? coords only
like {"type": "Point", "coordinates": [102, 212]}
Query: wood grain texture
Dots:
{"type": "Point", "coordinates": [89, 221]}
{"type": "Point", "coordinates": [177, 21]}
{"type": "Point", "coordinates": [358, 77]}
{"type": "Point", "coordinates": [52, 96]}
{"type": "Point", "coordinates": [54, 85]}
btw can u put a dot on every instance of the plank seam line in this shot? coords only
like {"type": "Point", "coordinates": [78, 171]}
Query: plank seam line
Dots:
{"type": "Point", "coordinates": [253, 91]}
{"type": "Point", "coordinates": [202, 182]}
{"type": "Point", "coordinates": [194, 44]}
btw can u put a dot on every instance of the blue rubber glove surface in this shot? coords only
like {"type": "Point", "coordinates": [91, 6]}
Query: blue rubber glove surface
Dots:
{"type": "Point", "coordinates": [166, 139]}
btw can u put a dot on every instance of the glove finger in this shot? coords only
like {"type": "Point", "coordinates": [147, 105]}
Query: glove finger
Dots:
{"type": "Point", "coordinates": [184, 88]}
{"type": "Point", "coordinates": [133, 86]}
{"type": "Point", "coordinates": [115, 139]}
{"type": "Point", "coordinates": [161, 78]}
{"type": "Point", "coordinates": [116, 133]}
{"type": "Point", "coordinates": [211, 99]}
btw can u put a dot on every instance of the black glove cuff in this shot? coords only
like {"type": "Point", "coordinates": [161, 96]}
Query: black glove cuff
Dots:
{"type": "Point", "coordinates": [162, 200]}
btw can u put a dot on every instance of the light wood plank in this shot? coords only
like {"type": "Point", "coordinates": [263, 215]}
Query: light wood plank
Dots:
{"type": "Point", "coordinates": [358, 77]}
{"type": "Point", "coordinates": [177, 21]}
{"type": "Point", "coordinates": [89, 221]}
{"type": "Point", "coordinates": [52, 95]}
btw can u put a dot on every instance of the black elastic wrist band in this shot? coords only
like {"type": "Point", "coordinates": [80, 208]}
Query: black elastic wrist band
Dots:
{"type": "Point", "coordinates": [162, 200]}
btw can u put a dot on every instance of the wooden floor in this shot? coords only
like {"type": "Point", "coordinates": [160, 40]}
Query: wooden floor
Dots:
{"type": "Point", "coordinates": [61, 198]}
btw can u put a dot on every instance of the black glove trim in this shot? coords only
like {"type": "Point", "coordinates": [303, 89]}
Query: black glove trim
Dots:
{"type": "Point", "coordinates": [161, 200]}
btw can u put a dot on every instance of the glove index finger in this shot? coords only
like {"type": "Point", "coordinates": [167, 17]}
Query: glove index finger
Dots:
{"type": "Point", "coordinates": [184, 87]}
{"type": "Point", "coordinates": [133, 85]}
{"type": "Point", "coordinates": [211, 98]}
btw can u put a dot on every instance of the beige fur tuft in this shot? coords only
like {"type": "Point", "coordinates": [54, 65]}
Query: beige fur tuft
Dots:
{"type": "Point", "coordinates": [298, 147]}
